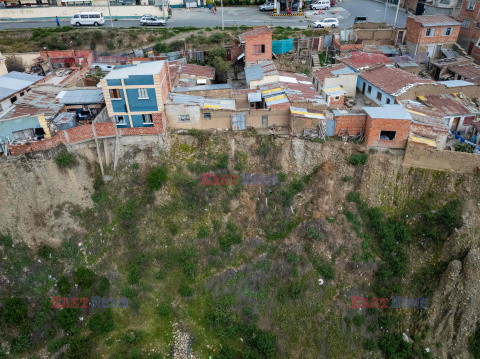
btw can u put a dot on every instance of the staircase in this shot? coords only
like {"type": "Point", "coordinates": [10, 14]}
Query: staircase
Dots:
{"type": "Point", "coordinates": [315, 61]}
{"type": "Point", "coordinates": [403, 49]}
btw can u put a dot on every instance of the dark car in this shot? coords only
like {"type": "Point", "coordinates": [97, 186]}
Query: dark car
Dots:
{"type": "Point", "coordinates": [360, 19]}
{"type": "Point", "coordinates": [332, 3]}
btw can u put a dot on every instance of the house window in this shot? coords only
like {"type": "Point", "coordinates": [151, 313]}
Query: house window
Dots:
{"type": "Point", "coordinates": [388, 101]}
{"type": "Point", "coordinates": [147, 118]}
{"type": "Point", "coordinates": [429, 32]}
{"type": "Point", "coordinates": [115, 93]}
{"type": "Point", "coordinates": [142, 94]}
{"type": "Point", "coordinates": [369, 89]}
{"type": "Point", "coordinates": [478, 25]}
{"type": "Point", "coordinates": [466, 23]}
{"type": "Point", "coordinates": [447, 31]}
{"type": "Point", "coordinates": [13, 99]}
{"type": "Point", "coordinates": [387, 135]}
{"type": "Point", "coordinates": [258, 49]}
{"type": "Point", "coordinates": [120, 119]}
{"type": "Point", "coordinates": [207, 116]}
{"type": "Point", "coordinates": [471, 5]}
{"type": "Point", "coordinates": [184, 118]}
{"type": "Point", "coordinates": [22, 93]}
{"type": "Point", "coordinates": [379, 96]}
{"type": "Point", "coordinates": [337, 98]}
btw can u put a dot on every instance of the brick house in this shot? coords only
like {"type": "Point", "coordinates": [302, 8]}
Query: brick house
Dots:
{"type": "Point", "coordinates": [135, 95]}
{"type": "Point", "coordinates": [384, 84]}
{"type": "Point", "coordinates": [257, 44]}
{"type": "Point", "coordinates": [387, 126]}
{"type": "Point", "coordinates": [336, 75]}
{"type": "Point", "coordinates": [334, 96]}
{"type": "Point", "coordinates": [429, 34]}
{"type": "Point", "coordinates": [469, 36]}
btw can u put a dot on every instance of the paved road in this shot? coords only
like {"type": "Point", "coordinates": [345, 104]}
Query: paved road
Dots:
{"type": "Point", "coordinates": [345, 11]}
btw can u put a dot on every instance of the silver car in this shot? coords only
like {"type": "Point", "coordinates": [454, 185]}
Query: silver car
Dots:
{"type": "Point", "coordinates": [268, 6]}
{"type": "Point", "coordinates": [152, 20]}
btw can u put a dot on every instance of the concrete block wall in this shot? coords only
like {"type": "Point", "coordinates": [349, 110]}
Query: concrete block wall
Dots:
{"type": "Point", "coordinates": [353, 123]}
{"type": "Point", "coordinates": [375, 126]}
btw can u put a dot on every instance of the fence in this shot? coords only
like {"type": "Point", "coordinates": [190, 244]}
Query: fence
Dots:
{"type": "Point", "coordinates": [282, 46]}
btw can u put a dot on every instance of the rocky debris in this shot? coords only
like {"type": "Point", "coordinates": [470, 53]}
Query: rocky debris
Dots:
{"type": "Point", "coordinates": [181, 345]}
{"type": "Point", "coordinates": [455, 306]}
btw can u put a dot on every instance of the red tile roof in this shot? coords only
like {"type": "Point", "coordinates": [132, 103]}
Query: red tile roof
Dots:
{"type": "Point", "coordinates": [325, 72]}
{"type": "Point", "coordinates": [392, 80]}
{"type": "Point", "coordinates": [362, 59]}
{"type": "Point", "coordinates": [254, 32]}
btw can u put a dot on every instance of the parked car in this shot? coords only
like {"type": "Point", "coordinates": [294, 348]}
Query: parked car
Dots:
{"type": "Point", "coordinates": [152, 21]}
{"type": "Point", "coordinates": [360, 19]}
{"type": "Point", "coordinates": [332, 3]}
{"type": "Point", "coordinates": [87, 18]}
{"type": "Point", "coordinates": [327, 22]}
{"type": "Point", "coordinates": [320, 5]}
{"type": "Point", "coordinates": [295, 6]}
{"type": "Point", "coordinates": [268, 6]}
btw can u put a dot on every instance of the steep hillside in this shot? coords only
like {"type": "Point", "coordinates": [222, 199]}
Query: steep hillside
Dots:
{"type": "Point", "coordinates": [237, 271]}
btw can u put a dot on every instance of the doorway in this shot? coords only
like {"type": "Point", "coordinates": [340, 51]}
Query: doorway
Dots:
{"type": "Point", "coordinates": [264, 121]}
{"type": "Point", "coordinates": [363, 88]}
{"type": "Point", "coordinates": [456, 121]}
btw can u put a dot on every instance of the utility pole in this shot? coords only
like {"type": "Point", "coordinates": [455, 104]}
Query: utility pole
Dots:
{"type": "Point", "coordinates": [223, 25]}
{"type": "Point", "coordinates": [163, 7]}
{"type": "Point", "coordinates": [385, 16]}
{"type": "Point", "coordinates": [396, 14]}
{"type": "Point", "coordinates": [110, 13]}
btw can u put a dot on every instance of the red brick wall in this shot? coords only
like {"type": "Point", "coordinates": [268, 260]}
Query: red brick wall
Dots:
{"type": "Point", "coordinates": [474, 15]}
{"type": "Point", "coordinates": [476, 53]}
{"type": "Point", "coordinates": [353, 123]}
{"type": "Point", "coordinates": [85, 133]}
{"type": "Point", "coordinates": [416, 33]}
{"type": "Point", "coordinates": [374, 126]}
{"type": "Point", "coordinates": [340, 103]}
{"type": "Point", "coordinates": [260, 39]}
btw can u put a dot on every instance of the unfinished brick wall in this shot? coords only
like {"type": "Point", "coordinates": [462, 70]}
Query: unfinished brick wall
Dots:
{"type": "Point", "coordinates": [416, 33]}
{"type": "Point", "coordinates": [353, 123]}
{"type": "Point", "coordinates": [336, 104]}
{"type": "Point", "coordinates": [373, 128]}
{"type": "Point", "coordinates": [261, 39]}
{"type": "Point", "coordinates": [85, 133]}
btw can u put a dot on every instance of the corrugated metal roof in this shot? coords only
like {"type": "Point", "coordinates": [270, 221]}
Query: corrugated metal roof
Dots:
{"type": "Point", "coordinates": [343, 71]}
{"type": "Point", "coordinates": [144, 68]}
{"type": "Point", "coordinates": [387, 50]}
{"type": "Point", "coordinates": [303, 112]}
{"type": "Point", "coordinates": [392, 112]}
{"type": "Point", "coordinates": [258, 71]}
{"type": "Point", "coordinates": [456, 83]}
{"type": "Point", "coordinates": [14, 81]}
{"type": "Point", "coordinates": [80, 96]}
{"type": "Point", "coordinates": [450, 53]}
{"type": "Point", "coordinates": [213, 103]}
{"type": "Point", "coordinates": [333, 91]}
{"type": "Point", "coordinates": [254, 97]}
{"type": "Point", "coordinates": [202, 88]}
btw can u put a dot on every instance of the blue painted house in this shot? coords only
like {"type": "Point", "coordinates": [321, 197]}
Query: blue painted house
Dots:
{"type": "Point", "coordinates": [135, 95]}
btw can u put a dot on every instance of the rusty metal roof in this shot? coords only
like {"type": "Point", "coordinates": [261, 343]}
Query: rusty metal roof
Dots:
{"type": "Point", "coordinates": [254, 32]}
{"type": "Point", "coordinates": [436, 20]}
{"type": "Point", "coordinates": [449, 105]}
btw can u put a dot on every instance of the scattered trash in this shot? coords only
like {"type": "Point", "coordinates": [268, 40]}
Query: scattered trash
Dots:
{"type": "Point", "coordinates": [320, 281]}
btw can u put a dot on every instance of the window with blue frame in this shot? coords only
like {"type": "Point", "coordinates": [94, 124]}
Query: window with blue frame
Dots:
{"type": "Point", "coordinates": [142, 94]}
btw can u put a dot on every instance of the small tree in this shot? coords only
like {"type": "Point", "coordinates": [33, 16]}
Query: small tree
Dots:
{"type": "Point", "coordinates": [14, 310]}
{"type": "Point", "coordinates": [221, 69]}
{"type": "Point", "coordinates": [156, 178]}
{"type": "Point", "coordinates": [85, 277]}
{"type": "Point", "coordinates": [64, 285]}
{"type": "Point", "coordinates": [14, 63]}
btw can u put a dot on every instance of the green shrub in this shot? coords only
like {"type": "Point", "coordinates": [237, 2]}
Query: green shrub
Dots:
{"type": "Point", "coordinates": [222, 163]}
{"type": "Point", "coordinates": [20, 344]}
{"type": "Point", "coordinates": [185, 290]}
{"type": "Point", "coordinates": [370, 345]}
{"type": "Point", "coordinates": [57, 344]}
{"type": "Point", "coordinates": [65, 159]}
{"type": "Point", "coordinates": [128, 292]}
{"type": "Point", "coordinates": [358, 159]}
{"type": "Point", "coordinates": [157, 177]}
{"type": "Point", "coordinates": [80, 347]}
{"type": "Point", "coordinates": [14, 311]}
{"type": "Point", "coordinates": [229, 238]}
{"type": "Point", "coordinates": [474, 342]}
{"type": "Point", "coordinates": [202, 232]}
{"type": "Point", "coordinates": [358, 320]}
{"type": "Point", "coordinates": [101, 322]}
{"type": "Point", "coordinates": [63, 285]}
{"type": "Point", "coordinates": [164, 309]}
{"type": "Point", "coordinates": [6, 240]}
{"type": "Point", "coordinates": [84, 277]}
{"type": "Point", "coordinates": [67, 319]}
{"type": "Point", "coordinates": [314, 233]}
{"type": "Point", "coordinates": [324, 268]}
{"type": "Point", "coordinates": [69, 248]}
{"type": "Point", "coordinates": [282, 177]}
{"type": "Point", "coordinates": [103, 287]}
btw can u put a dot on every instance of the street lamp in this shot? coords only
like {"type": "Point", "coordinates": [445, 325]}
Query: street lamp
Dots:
{"type": "Point", "coordinates": [110, 13]}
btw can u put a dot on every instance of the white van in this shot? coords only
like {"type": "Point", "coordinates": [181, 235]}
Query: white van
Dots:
{"type": "Point", "coordinates": [87, 18]}
{"type": "Point", "coordinates": [320, 5]}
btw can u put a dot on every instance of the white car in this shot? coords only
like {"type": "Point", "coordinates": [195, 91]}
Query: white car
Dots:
{"type": "Point", "coordinates": [268, 6]}
{"type": "Point", "coordinates": [152, 20]}
{"type": "Point", "coordinates": [327, 22]}
{"type": "Point", "coordinates": [321, 5]}
{"type": "Point", "coordinates": [87, 18]}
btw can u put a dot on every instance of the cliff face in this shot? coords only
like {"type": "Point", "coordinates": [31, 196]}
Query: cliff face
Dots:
{"type": "Point", "coordinates": [39, 203]}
